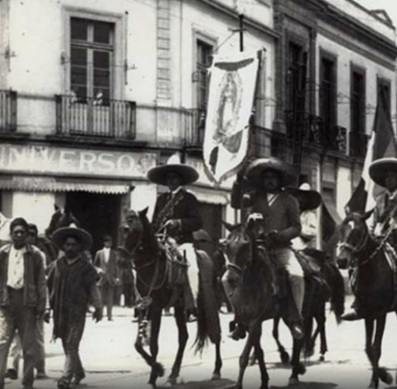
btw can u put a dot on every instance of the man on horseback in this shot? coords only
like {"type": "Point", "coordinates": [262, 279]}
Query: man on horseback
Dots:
{"type": "Point", "coordinates": [382, 225]}
{"type": "Point", "coordinates": [278, 213]}
{"type": "Point", "coordinates": [177, 213]}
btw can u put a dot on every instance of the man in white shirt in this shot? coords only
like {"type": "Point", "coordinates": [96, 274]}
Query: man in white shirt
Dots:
{"type": "Point", "coordinates": [23, 298]}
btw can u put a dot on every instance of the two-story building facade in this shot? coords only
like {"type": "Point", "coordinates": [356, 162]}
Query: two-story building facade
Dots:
{"type": "Point", "coordinates": [94, 94]}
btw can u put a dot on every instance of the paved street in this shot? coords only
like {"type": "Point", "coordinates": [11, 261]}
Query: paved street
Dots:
{"type": "Point", "coordinates": [112, 362]}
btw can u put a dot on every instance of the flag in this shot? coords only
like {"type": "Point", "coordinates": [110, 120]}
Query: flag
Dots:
{"type": "Point", "coordinates": [381, 145]}
{"type": "Point", "coordinates": [230, 100]}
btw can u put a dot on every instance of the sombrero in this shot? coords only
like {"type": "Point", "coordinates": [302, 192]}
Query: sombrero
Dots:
{"type": "Point", "coordinates": [256, 169]}
{"type": "Point", "coordinates": [378, 169]}
{"type": "Point", "coordinates": [313, 198]}
{"type": "Point", "coordinates": [158, 174]}
{"type": "Point", "coordinates": [59, 236]}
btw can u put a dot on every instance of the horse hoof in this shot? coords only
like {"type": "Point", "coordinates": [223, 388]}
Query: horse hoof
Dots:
{"type": "Point", "coordinates": [385, 376]}
{"type": "Point", "coordinates": [284, 358]}
{"type": "Point", "coordinates": [322, 358]}
{"type": "Point", "coordinates": [308, 353]}
{"type": "Point", "coordinates": [293, 381]}
{"type": "Point", "coordinates": [159, 368]}
{"type": "Point", "coordinates": [300, 368]}
{"type": "Point", "coordinates": [215, 377]}
{"type": "Point", "coordinates": [171, 381]}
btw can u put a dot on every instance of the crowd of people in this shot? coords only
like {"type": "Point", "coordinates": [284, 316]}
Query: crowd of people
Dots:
{"type": "Point", "coordinates": [32, 289]}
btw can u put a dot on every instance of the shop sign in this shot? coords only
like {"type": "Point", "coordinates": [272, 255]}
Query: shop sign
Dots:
{"type": "Point", "coordinates": [57, 160]}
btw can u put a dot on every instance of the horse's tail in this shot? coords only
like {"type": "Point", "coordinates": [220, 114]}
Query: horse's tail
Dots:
{"type": "Point", "coordinates": [208, 324]}
{"type": "Point", "coordinates": [337, 292]}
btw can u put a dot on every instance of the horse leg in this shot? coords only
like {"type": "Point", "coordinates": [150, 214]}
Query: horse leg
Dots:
{"type": "Point", "coordinates": [369, 330]}
{"type": "Point", "coordinates": [308, 343]}
{"type": "Point", "coordinates": [260, 355]}
{"type": "Point", "coordinates": [139, 347]}
{"type": "Point", "coordinates": [183, 336]}
{"type": "Point", "coordinates": [216, 375]}
{"type": "Point", "coordinates": [284, 356]}
{"type": "Point", "coordinates": [253, 338]}
{"type": "Point", "coordinates": [298, 368]}
{"type": "Point", "coordinates": [382, 373]}
{"type": "Point", "coordinates": [323, 336]}
{"type": "Point", "coordinates": [157, 368]}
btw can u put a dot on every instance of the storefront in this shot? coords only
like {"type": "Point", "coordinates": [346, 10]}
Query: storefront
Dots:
{"type": "Point", "coordinates": [96, 185]}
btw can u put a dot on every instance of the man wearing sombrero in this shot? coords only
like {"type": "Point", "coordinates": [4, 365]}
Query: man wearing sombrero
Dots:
{"type": "Point", "coordinates": [278, 212]}
{"type": "Point", "coordinates": [384, 173]}
{"type": "Point", "coordinates": [72, 286]}
{"type": "Point", "coordinates": [177, 212]}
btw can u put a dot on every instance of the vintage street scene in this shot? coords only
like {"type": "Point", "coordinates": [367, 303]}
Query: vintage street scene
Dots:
{"type": "Point", "coordinates": [198, 194]}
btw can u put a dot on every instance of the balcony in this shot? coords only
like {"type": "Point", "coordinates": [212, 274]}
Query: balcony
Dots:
{"type": "Point", "coordinates": [95, 118]}
{"type": "Point", "coordinates": [194, 128]}
{"type": "Point", "coordinates": [8, 111]}
{"type": "Point", "coordinates": [358, 144]}
{"type": "Point", "coordinates": [313, 130]}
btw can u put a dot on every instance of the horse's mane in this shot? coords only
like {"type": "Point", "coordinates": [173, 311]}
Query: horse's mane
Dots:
{"type": "Point", "coordinates": [149, 239]}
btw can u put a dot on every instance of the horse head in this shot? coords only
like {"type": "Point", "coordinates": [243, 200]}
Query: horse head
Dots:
{"type": "Point", "coordinates": [61, 218]}
{"type": "Point", "coordinates": [354, 238]}
{"type": "Point", "coordinates": [135, 232]}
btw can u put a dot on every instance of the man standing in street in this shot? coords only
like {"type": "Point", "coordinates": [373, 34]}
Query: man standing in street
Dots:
{"type": "Point", "coordinates": [105, 261]}
{"type": "Point", "coordinates": [23, 298]}
{"type": "Point", "coordinates": [72, 286]}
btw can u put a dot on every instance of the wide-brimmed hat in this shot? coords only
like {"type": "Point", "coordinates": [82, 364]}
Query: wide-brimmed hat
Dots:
{"type": "Point", "coordinates": [313, 198]}
{"type": "Point", "coordinates": [379, 168]}
{"type": "Point", "coordinates": [59, 236]}
{"type": "Point", "coordinates": [256, 169]}
{"type": "Point", "coordinates": [158, 174]}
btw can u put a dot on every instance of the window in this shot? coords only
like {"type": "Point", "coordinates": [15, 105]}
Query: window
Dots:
{"type": "Point", "coordinates": [296, 80]}
{"type": "Point", "coordinates": [204, 57]}
{"type": "Point", "coordinates": [91, 52]}
{"type": "Point", "coordinates": [328, 92]}
{"type": "Point", "coordinates": [357, 102]}
{"type": "Point", "coordinates": [383, 88]}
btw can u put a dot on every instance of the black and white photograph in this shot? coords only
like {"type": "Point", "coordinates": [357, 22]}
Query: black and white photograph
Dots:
{"type": "Point", "coordinates": [198, 194]}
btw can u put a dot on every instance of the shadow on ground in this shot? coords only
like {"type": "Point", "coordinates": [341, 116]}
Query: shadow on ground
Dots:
{"type": "Point", "coordinates": [309, 385]}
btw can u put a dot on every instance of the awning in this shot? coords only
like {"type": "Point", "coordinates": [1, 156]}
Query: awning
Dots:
{"type": "Point", "coordinates": [209, 196]}
{"type": "Point", "coordinates": [52, 184]}
{"type": "Point", "coordinates": [330, 206]}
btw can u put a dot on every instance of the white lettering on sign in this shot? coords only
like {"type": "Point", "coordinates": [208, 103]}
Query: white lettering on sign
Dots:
{"type": "Point", "coordinates": [57, 160]}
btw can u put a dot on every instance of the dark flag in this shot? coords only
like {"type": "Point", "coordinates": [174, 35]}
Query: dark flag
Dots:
{"type": "Point", "coordinates": [381, 145]}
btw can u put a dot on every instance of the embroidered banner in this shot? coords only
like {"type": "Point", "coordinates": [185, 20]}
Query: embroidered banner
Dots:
{"type": "Point", "coordinates": [231, 95]}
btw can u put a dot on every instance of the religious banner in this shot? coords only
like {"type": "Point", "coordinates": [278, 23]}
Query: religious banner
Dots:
{"type": "Point", "coordinates": [231, 96]}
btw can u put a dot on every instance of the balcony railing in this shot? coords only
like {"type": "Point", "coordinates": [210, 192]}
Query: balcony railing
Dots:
{"type": "Point", "coordinates": [316, 131]}
{"type": "Point", "coordinates": [194, 127]}
{"type": "Point", "coordinates": [8, 111]}
{"type": "Point", "coordinates": [358, 144]}
{"type": "Point", "coordinates": [92, 117]}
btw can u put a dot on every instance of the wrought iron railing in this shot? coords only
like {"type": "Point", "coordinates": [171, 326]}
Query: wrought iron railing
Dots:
{"type": "Point", "coordinates": [93, 117]}
{"type": "Point", "coordinates": [8, 111]}
{"type": "Point", "coordinates": [194, 127]}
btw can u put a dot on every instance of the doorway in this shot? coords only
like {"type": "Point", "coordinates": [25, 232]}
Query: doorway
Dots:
{"type": "Point", "coordinates": [98, 213]}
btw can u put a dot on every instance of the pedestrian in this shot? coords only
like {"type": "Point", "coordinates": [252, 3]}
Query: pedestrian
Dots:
{"type": "Point", "coordinates": [381, 225]}
{"type": "Point", "coordinates": [16, 347]}
{"type": "Point", "coordinates": [72, 286]}
{"type": "Point", "coordinates": [279, 220]}
{"type": "Point", "coordinates": [105, 261]}
{"type": "Point", "coordinates": [177, 213]}
{"type": "Point", "coordinates": [23, 296]}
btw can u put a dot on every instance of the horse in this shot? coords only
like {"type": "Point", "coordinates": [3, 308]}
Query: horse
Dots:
{"type": "Point", "coordinates": [255, 297]}
{"type": "Point", "coordinates": [371, 279]}
{"type": "Point", "coordinates": [156, 291]}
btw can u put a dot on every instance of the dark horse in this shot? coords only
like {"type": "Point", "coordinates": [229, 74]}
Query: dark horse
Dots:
{"type": "Point", "coordinates": [372, 283]}
{"type": "Point", "coordinates": [155, 292]}
{"type": "Point", "coordinates": [255, 299]}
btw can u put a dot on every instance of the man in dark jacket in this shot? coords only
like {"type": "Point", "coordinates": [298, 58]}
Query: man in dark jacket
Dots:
{"type": "Point", "coordinates": [72, 286]}
{"type": "Point", "coordinates": [105, 262]}
{"type": "Point", "coordinates": [23, 297]}
{"type": "Point", "coordinates": [177, 212]}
